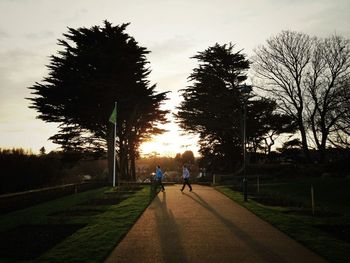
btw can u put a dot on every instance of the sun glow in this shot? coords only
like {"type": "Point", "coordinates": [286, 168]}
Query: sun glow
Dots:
{"type": "Point", "coordinates": [170, 143]}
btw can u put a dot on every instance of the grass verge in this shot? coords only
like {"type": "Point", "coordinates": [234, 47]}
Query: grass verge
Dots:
{"type": "Point", "coordinates": [301, 228]}
{"type": "Point", "coordinates": [94, 242]}
{"type": "Point", "coordinates": [39, 214]}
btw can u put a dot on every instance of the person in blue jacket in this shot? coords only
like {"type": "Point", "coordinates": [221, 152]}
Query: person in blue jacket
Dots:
{"type": "Point", "coordinates": [186, 178]}
{"type": "Point", "coordinates": [159, 177]}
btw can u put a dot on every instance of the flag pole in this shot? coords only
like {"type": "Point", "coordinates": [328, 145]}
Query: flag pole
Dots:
{"type": "Point", "coordinates": [114, 137]}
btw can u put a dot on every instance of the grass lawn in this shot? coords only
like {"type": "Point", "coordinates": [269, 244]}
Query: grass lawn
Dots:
{"type": "Point", "coordinates": [95, 221]}
{"type": "Point", "coordinates": [330, 193]}
{"type": "Point", "coordinates": [326, 233]}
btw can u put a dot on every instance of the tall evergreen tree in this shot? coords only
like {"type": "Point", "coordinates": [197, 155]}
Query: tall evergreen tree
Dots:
{"type": "Point", "coordinates": [212, 105]}
{"type": "Point", "coordinates": [213, 108]}
{"type": "Point", "coordinates": [96, 67]}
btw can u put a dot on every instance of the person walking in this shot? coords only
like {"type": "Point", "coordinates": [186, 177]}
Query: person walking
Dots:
{"type": "Point", "coordinates": [159, 177]}
{"type": "Point", "coordinates": [186, 178]}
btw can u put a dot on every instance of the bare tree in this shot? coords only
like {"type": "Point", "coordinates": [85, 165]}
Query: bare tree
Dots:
{"type": "Point", "coordinates": [341, 137]}
{"type": "Point", "coordinates": [327, 82]}
{"type": "Point", "coordinates": [282, 65]}
{"type": "Point", "coordinates": [309, 78]}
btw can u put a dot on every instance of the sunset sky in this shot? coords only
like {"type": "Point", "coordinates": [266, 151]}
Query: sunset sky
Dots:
{"type": "Point", "coordinates": [172, 30]}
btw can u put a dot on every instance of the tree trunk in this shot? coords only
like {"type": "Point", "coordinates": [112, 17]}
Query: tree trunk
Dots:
{"type": "Point", "coordinates": [121, 160]}
{"type": "Point", "coordinates": [304, 142]}
{"type": "Point", "coordinates": [132, 167]}
{"type": "Point", "coordinates": [123, 157]}
{"type": "Point", "coordinates": [322, 147]}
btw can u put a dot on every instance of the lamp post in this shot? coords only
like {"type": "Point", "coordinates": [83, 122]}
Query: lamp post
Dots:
{"type": "Point", "coordinates": [245, 90]}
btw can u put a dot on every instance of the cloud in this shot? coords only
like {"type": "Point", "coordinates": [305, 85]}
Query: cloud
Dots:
{"type": "Point", "coordinates": [171, 47]}
{"type": "Point", "coordinates": [19, 64]}
{"type": "Point", "coordinates": [73, 17]}
{"type": "Point", "coordinates": [40, 35]}
{"type": "Point", "coordinates": [329, 18]}
{"type": "Point", "coordinates": [4, 35]}
{"type": "Point", "coordinates": [19, 69]}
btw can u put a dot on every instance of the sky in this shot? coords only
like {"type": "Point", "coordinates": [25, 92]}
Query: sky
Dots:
{"type": "Point", "coordinates": [173, 31]}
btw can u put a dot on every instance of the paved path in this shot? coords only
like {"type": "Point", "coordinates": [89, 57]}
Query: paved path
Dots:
{"type": "Point", "coordinates": [205, 226]}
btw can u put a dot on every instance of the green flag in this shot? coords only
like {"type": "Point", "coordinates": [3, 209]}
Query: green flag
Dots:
{"type": "Point", "coordinates": [113, 117]}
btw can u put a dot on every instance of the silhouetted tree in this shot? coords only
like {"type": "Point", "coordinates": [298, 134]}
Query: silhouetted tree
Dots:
{"type": "Point", "coordinates": [178, 158]}
{"type": "Point", "coordinates": [213, 108]}
{"type": "Point", "coordinates": [282, 64]}
{"type": "Point", "coordinates": [188, 158]}
{"type": "Point", "coordinates": [42, 150]}
{"type": "Point", "coordinates": [96, 67]}
{"type": "Point", "coordinates": [341, 137]}
{"type": "Point", "coordinates": [295, 143]}
{"type": "Point", "coordinates": [212, 104]}
{"type": "Point", "coordinates": [265, 124]}
{"type": "Point", "coordinates": [328, 83]}
{"type": "Point", "coordinates": [308, 77]}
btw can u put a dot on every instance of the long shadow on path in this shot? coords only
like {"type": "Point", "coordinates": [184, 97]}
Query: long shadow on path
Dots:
{"type": "Point", "coordinates": [264, 252]}
{"type": "Point", "coordinates": [169, 232]}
